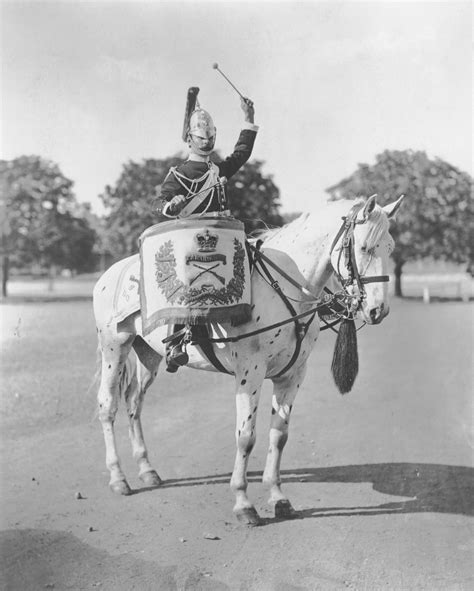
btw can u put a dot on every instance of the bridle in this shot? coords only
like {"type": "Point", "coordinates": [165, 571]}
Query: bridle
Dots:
{"type": "Point", "coordinates": [347, 251]}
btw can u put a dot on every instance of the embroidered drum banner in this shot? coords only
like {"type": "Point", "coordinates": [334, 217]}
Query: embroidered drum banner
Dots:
{"type": "Point", "coordinates": [194, 271]}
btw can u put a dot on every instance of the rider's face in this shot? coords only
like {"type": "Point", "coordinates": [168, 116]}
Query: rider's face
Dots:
{"type": "Point", "coordinates": [200, 144]}
{"type": "Point", "coordinates": [203, 142]}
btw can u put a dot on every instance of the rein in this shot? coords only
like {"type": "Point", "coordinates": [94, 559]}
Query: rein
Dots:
{"type": "Point", "coordinates": [300, 328]}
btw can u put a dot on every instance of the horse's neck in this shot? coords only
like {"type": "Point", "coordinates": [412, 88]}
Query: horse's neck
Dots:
{"type": "Point", "coordinates": [307, 240]}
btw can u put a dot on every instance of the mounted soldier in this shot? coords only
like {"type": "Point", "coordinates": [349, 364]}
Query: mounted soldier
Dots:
{"type": "Point", "coordinates": [197, 186]}
{"type": "Point", "coordinates": [254, 324]}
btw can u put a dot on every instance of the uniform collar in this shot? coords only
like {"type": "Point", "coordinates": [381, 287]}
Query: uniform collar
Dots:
{"type": "Point", "coordinates": [197, 157]}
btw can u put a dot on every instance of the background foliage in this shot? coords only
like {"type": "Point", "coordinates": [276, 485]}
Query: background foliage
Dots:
{"type": "Point", "coordinates": [436, 219]}
{"type": "Point", "coordinates": [42, 222]}
{"type": "Point", "coordinates": [43, 225]}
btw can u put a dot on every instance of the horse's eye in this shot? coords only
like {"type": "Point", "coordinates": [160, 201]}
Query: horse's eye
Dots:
{"type": "Point", "coordinates": [363, 248]}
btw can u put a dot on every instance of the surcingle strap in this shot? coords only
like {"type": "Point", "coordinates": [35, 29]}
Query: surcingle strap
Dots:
{"type": "Point", "coordinates": [201, 338]}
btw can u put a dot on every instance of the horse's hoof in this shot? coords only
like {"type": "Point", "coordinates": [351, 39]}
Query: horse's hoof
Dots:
{"type": "Point", "coordinates": [150, 478]}
{"type": "Point", "coordinates": [248, 516]}
{"type": "Point", "coordinates": [283, 509]}
{"type": "Point", "coordinates": [120, 487]}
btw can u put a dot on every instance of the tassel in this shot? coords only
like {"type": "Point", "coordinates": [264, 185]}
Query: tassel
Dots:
{"type": "Point", "coordinates": [345, 361]}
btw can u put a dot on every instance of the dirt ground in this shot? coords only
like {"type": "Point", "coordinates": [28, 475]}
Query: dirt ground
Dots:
{"type": "Point", "coordinates": [381, 479]}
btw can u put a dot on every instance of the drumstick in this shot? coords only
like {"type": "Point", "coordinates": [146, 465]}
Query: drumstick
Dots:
{"type": "Point", "coordinates": [216, 67]}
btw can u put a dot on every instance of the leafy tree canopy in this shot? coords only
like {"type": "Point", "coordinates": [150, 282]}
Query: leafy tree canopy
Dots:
{"type": "Point", "coordinates": [131, 205]}
{"type": "Point", "coordinates": [436, 218]}
{"type": "Point", "coordinates": [254, 198]}
{"type": "Point", "coordinates": [42, 221]}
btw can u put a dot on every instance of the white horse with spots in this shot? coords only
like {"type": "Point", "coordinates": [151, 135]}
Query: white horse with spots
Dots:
{"type": "Point", "coordinates": [309, 251]}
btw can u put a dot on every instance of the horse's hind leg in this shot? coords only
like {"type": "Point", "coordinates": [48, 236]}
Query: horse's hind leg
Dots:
{"type": "Point", "coordinates": [284, 393]}
{"type": "Point", "coordinates": [147, 368]}
{"type": "Point", "coordinates": [115, 378]}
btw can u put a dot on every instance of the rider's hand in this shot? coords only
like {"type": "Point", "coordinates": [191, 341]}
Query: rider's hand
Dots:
{"type": "Point", "coordinates": [248, 109]}
{"type": "Point", "coordinates": [175, 205]}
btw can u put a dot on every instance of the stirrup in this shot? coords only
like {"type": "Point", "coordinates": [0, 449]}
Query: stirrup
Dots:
{"type": "Point", "coordinates": [176, 357]}
{"type": "Point", "coordinates": [178, 354]}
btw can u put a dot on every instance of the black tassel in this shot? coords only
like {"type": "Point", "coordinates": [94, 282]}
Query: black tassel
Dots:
{"type": "Point", "coordinates": [345, 361]}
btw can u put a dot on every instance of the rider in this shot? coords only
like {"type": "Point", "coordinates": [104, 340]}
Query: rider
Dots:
{"type": "Point", "coordinates": [196, 185]}
{"type": "Point", "coordinates": [198, 173]}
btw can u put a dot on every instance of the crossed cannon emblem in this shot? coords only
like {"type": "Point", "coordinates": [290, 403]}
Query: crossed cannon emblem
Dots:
{"type": "Point", "coordinates": [207, 244]}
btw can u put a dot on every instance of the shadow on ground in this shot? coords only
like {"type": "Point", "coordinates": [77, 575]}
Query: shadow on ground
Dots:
{"type": "Point", "coordinates": [434, 488]}
{"type": "Point", "coordinates": [45, 559]}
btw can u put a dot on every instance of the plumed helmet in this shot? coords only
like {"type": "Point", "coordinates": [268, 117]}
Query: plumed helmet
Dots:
{"type": "Point", "coordinates": [198, 128]}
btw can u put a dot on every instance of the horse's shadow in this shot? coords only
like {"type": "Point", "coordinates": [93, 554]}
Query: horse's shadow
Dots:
{"type": "Point", "coordinates": [434, 488]}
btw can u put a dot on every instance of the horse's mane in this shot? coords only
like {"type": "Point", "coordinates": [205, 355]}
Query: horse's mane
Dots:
{"type": "Point", "coordinates": [378, 229]}
{"type": "Point", "coordinates": [270, 232]}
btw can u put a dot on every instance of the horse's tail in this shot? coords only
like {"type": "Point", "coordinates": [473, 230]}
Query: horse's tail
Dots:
{"type": "Point", "coordinates": [345, 361]}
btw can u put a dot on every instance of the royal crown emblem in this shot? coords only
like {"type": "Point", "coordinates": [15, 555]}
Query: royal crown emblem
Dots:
{"type": "Point", "coordinates": [207, 242]}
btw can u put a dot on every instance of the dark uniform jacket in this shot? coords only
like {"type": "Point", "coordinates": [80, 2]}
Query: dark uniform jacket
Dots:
{"type": "Point", "coordinates": [192, 170]}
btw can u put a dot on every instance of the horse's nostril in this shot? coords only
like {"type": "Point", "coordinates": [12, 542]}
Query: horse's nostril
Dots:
{"type": "Point", "coordinates": [374, 313]}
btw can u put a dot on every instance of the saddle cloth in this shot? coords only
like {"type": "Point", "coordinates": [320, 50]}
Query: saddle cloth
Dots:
{"type": "Point", "coordinates": [127, 294]}
{"type": "Point", "coordinates": [194, 271]}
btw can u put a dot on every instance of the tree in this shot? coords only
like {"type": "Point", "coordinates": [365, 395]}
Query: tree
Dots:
{"type": "Point", "coordinates": [254, 198]}
{"type": "Point", "coordinates": [132, 206]}
{"type": "Point", "coordinates": [436, 218]}
{"type": "Point", "coordinates": [41, 218]}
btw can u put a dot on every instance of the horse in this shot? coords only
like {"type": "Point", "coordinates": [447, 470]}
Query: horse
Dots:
{"type": "Point", "coordinates": [304, 255]}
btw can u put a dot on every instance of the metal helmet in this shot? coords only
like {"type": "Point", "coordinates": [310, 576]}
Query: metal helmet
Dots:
{"type": "Point", "coordinates": [201, 132]}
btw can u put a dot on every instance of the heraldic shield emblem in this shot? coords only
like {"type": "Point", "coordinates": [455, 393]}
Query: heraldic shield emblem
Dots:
{"type": "Point", "coordinates": [194, 271]}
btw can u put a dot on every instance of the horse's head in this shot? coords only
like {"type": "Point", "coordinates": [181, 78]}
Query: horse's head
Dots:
{"type": "Point", "coordinates": [360, 257]}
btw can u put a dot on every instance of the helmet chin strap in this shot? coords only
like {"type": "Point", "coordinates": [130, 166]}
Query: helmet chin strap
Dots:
{"type": "Point", "coordinates": [195, 148]}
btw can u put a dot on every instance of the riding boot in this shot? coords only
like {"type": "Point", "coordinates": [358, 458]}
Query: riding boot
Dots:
{"type": "Point", "coordinates": [176, 354]}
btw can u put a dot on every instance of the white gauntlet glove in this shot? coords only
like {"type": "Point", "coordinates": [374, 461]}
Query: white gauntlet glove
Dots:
{"type": "Point", "coordinates": [173, 207]}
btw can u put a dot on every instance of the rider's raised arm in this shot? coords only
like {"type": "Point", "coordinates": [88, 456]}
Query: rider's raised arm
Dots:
{"type": "Point", "coordinates": [244, 146]}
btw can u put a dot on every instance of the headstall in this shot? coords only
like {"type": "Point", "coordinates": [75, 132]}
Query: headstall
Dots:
{"type": "Point", "coordinates": [347, 251]}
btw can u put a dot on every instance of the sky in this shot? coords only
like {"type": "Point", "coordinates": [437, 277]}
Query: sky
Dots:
{"type": "Point", "coordinates": [92, 85]}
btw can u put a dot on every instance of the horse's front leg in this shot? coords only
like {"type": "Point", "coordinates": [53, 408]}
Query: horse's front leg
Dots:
{"type": "Point", "coordinates": [116, 375]}
{"type": "Point", "coordinates": [148, 362]}
{"type": "Point", "coordinates": [284, 393]}
{"type": "Point", "coordinates": [248, 386]}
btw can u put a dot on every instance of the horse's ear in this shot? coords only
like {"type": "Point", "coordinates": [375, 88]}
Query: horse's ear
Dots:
{"type": "Point", "coordinates": [369, 206]}
{"type": "Point", "coordinates": [392, 208]}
